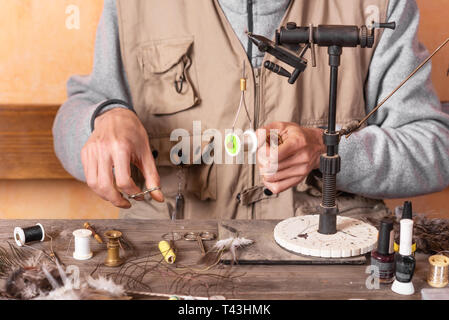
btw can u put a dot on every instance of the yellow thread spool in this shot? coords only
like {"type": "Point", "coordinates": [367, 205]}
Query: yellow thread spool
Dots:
{"type": "Point", "coordinates": [242, 84]}
{"type": "Point", "coordinates": [167, 252]}
{"type": "Point", "coordinates": [438, 271]}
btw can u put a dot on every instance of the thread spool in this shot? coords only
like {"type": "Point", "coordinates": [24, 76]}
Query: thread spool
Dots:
{"type": "Point", "coordinates": [438, 271]}
{"type": "Point", "coordinates": [113, 258]}
{"type": "Point", "coordinates": [82, 244]}
{"type": "Point", "coordinates": [30, 234]}
{"type": "Point", "coordinates": [167, 252]}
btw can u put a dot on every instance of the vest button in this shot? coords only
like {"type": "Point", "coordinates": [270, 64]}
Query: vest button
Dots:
{"type": "Point", "coordinates": [155, 154]}
{"type": "Point", "coordinates": [238, 197]}
{"type": "Point", "coordinates": [267, 192]}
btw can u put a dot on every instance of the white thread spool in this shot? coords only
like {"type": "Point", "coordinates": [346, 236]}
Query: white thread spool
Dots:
{"type": "Point", "coordinates": [82, 244]}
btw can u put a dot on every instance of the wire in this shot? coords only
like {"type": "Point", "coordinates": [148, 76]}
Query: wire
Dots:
{"type": "Point", "coordinates": [242, 100]}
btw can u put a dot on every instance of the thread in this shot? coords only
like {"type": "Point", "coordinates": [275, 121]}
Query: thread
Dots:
{"type": "Point", "coordinates": [167, 252]}
{"type": "Point", "coordinates": [82, 244]}
{"type": "Point", "coordinates": [438, 271]}
{"type": "Point", "coordinates": [30, 234]}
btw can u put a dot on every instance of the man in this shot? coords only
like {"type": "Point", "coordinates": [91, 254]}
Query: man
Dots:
{"type": "Point", "coordinates": [169, 63]}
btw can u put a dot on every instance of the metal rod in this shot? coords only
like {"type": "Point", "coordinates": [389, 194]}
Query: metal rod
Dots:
{"type": "Point", "coordinates": [332, 106]}
{"type": "Point", "coordinates": [395, 90]}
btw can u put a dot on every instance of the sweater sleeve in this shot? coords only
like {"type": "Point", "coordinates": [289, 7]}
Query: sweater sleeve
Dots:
{"type": "Point", "coordinates": [72, 126]}
{"type": "Point", "coordinates": [404, 150]}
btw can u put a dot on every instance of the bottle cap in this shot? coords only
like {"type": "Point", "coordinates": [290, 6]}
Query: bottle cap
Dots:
{"type": "Point", "coordinates": [405, 242]}
{"type": "Point", "coordinates": [385, 242]}
{"type": "Point", "coordinates": [407, 212]}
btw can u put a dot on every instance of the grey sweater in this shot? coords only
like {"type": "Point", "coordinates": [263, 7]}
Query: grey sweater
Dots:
{"type": "Point", "coordinates": [403, 152]}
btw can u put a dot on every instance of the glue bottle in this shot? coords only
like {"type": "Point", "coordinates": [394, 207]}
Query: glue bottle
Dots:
{"type": "Point", "coordinates": [407, 213]}
{"type": "Point", "coordinates": [405, 261]}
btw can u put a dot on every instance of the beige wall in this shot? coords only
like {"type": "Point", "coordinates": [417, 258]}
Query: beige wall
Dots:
{"type": "Point", "coordinates": [38, 53]}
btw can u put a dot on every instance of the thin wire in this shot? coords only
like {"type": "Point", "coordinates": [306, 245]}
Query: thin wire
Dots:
{"type": "Point", "coordinates": [242, 102]}
{"type": "Point", "coordinates": [395, 90]}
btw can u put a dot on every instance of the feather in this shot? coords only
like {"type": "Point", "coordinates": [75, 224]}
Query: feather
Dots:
{"type": "Point", "coordinates": [232, 244]}
{"type": "Point", "coordinates": [106, 285]}
{"type": "Point", "coordinates": [431, 235]}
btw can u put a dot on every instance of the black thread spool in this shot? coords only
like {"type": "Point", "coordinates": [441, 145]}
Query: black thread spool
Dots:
{"type": "Point", "coordinates": [27, 235]}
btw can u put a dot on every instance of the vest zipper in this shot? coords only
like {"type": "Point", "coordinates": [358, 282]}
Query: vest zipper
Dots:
{"type": "Point", "coordinates": [249, 7]}
{"type": "Point", "coordinates": [257, 72]}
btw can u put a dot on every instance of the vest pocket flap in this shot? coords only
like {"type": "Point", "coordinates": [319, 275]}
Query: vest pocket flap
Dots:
{"type": "Point", "coordinates": [161, 55]}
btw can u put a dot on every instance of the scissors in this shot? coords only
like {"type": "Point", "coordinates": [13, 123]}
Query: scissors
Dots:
{"type": "Point", "coordinates": [133, 196]}
{"type": "Point", "coordinates": [200, 237]}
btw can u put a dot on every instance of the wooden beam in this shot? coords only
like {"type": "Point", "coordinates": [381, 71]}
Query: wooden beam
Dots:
{"type": "Point", "coordinates": [26, 143]}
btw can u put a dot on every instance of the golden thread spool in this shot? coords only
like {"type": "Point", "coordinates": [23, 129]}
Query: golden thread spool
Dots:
{"type": "Point", "coordinates": [94, 233]}
{"type": "Point", "coordinates": [167, 252]}
{"type": "Point", "coordinates": [113, 258]}
{"type": "Point", "coordinates": [242, 84]}
{"type": "Point", "coordinates": [438, 271]}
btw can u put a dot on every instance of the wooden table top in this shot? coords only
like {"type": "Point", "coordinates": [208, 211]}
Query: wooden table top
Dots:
{"type": "Point", "coordinates": [248, 281]}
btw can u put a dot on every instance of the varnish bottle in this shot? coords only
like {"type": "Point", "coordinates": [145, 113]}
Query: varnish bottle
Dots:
{"type": "Point", "coordinates": [382, 259]}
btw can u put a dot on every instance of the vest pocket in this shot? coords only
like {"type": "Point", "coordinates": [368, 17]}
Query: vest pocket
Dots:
{"type": "Point", "coordinates": [201, 179]}
{"type": "Point", "coordinates": [169, 75]}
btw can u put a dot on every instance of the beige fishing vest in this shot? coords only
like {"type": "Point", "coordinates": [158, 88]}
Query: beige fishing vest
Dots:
{"type": "Point", "coordinates": [162, 40]}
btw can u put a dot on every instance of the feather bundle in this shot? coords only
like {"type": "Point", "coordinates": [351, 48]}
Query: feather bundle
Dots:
{"type": "Point", "coordinates": [92, 289]}
{"type": "Point", "coordinates": [232, 244]}
{"type": "Point", "coordinates": [430, 234]}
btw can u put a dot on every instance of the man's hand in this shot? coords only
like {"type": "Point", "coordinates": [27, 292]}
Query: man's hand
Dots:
{"type": "Point", "coordinates": [297, 155]}
{"type": "Point", "coordinates": [118, 140]}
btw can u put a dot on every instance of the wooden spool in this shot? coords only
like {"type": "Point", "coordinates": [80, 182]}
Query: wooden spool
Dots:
{"type": "Point", "coordinates": [300, 235]}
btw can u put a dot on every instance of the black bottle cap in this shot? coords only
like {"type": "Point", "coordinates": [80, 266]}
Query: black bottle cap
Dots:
{"type": "Point", "coordinates": [407, 212]}
{"type": "Point", "coordinates": [384, 242]}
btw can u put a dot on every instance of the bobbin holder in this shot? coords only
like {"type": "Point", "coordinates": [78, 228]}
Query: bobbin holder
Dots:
{"type": "Point", "coordinates": [335, 37]}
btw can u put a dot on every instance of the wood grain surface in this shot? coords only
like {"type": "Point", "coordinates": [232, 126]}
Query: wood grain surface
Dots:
{"type": "Point", "coordinates": [251, 282]}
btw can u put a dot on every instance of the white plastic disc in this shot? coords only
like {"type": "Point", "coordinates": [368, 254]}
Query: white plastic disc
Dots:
{"type": "Point", "coordinates": [300, 235]}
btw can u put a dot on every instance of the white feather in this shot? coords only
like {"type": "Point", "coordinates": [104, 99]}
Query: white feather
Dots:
{"type": "Point", "coordinates": [232, 244]}
{"type": "Point", "coordinates": [107, 285]}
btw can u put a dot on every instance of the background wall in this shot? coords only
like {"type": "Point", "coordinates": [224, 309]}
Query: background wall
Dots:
{"type": "Point", "coordinates": [39, 52]}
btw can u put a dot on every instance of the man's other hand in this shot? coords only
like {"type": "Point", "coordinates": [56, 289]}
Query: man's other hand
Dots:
{"type": "Point", "coordinates": [119, 140]}
{"type": "Point", "coordinates": [297, 155]}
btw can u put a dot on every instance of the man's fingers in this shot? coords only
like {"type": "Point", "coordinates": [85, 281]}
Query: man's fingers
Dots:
{"type": "Point", "coordinates": [280, 186]}
{"type": "Point", "coordinates": [296, 171]}
{"type": "Point", "coordinates": [105, 185]}
{"type": "Point", "coordinates": [299, 158]}
{"type": "Point", "coordinates": [152, 179]}
{"type": "Point", "coordinates": [122, 170]}
{"type": "Point", "coordinates": [90, 165]}
{"type": "Point", "coordinates": [289, 147]}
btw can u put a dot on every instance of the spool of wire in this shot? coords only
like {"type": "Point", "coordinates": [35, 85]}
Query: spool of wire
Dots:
{"type": "Point", "coordinates": [27, 235]}
{"type": "Point", "coordinates": [438, 271]}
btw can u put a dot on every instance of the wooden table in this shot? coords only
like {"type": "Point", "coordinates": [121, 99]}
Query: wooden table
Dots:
{"type": "Point", "coordinates": [250, 282]}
